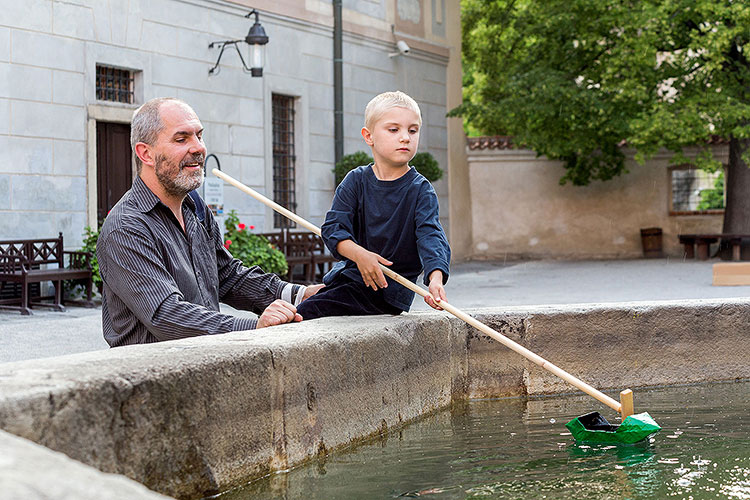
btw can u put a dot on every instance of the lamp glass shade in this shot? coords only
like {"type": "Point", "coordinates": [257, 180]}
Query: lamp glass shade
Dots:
{"type": "Point", "coordinates": [257, 59]}
{"type": "Point", "coordinates": [257, 56]}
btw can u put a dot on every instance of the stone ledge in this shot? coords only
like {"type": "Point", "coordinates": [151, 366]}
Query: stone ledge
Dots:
{"type": "Point", "coordinates": [193, 417]}
{"type": "Point", "coordinates": [32, 472]}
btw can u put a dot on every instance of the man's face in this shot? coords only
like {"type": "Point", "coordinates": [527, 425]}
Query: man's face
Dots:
{"type": "Point", "coordinates": [179, 151]}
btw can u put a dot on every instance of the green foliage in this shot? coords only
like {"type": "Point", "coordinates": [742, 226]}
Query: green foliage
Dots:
{"type": "Point", "coordinates": [575, 80]}
{"type": "Point", "coordinates": [425, 163]}
{"type": "Point", "coordinates": [252, 249]}
{"type": "Point", "coordinates": [76, 287]}
{"type": "Point", "coordinates": [713, 198]}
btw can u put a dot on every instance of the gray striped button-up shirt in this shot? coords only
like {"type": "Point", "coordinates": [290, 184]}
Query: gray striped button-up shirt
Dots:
{"type": "Point", "coordinates": [161, 283]}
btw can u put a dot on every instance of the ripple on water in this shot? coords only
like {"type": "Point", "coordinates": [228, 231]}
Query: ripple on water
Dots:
{"type": "Point", "coordinates": [520, 449]}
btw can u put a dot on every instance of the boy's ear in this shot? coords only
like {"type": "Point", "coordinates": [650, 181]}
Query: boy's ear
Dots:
{"type": "Point", "coordinates": [143, 151]}
{"type": "Point", "coordinates": [367, 136]}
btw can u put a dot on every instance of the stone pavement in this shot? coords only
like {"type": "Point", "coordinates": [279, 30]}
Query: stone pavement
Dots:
{"type": "Point", "coordinates": [472, 285]}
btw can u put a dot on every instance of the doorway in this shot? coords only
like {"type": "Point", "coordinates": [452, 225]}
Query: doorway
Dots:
{"type": "Point", "coordinates": [114, 171]}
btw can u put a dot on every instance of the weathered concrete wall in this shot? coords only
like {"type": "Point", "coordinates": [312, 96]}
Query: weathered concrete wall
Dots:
{"type": "Point", "coordinates": [32, 472]}
{"type": "Point", "coordinates": [193, 417]}
{"type": "Point", "coordinates": [612, 346]}
{"type": "Point", "coordinates": [519, 210]}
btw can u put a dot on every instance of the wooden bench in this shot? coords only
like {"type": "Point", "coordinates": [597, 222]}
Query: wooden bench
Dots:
{"type": "Point", "coordinates": [703, 243]}
{"type": "Point", "coordinates": [304, 249]}
{"type": "Point", "coordinates": [24, 262]}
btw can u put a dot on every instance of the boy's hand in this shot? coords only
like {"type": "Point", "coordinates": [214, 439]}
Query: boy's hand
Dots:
{"type": "Point", "coordinates": [311, 290]}
{"type": "Point", "coordinates": [436, 290]}
{"type": "Point", "coordinates": [368, 265]}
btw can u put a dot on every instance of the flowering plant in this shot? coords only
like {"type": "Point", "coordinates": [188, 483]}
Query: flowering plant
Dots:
{"type": "Point", "coordinates": [252, 249]}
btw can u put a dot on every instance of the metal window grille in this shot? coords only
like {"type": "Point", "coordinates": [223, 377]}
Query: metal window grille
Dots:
{"type": "Point", "coordinates": [113, 84]}
{"type": "Point", "coordinates": [283, 157]}
{"type": "Point", "coordinates": [688, 184]}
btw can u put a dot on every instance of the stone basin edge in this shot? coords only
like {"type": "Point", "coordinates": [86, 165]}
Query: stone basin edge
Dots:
{"type": "Point", "coordinates": [194, 417]}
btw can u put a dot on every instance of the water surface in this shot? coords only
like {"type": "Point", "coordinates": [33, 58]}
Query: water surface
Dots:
{"type": "Point", "coordinates": [520, 448]}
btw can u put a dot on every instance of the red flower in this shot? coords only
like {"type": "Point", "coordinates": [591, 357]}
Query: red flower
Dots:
{"type": "Point", "coordinates": [252, 227]}
{"type": "Point", "coordinates": [227, 243]}
{"type": "Point", "coordinates": [241, 226]}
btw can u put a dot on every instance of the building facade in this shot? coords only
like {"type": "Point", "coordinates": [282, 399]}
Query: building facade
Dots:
{"type": "Point", "coordinates": [519, 210]}
{"type": "Point", "coordinates": [73, 71]}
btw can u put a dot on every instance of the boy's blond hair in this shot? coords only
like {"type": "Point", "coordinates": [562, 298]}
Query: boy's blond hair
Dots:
{"type": "Point", "coordinates": [381, 103]}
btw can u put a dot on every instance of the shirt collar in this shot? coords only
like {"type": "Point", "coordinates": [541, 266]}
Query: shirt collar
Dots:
{"type": "Point", "coordinates": [145, 200]}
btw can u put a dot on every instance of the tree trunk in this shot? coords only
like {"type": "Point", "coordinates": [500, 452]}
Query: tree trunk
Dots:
{"type": "Point", "coordinates": [737, 212]}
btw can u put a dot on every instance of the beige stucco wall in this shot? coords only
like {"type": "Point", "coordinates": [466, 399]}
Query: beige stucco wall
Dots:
{"type": "Point", "coordinates": [519, 210]}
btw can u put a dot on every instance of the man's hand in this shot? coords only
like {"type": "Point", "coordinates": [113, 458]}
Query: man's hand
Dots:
{"type": "Point", "coordinates": [278, 313]}
{"type": "Point", "coordinates": [311, 290]}
{"type": "Point", "coordinates": [436, 290]}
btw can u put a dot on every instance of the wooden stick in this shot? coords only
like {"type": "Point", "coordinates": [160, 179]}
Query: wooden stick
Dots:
{"type": "Point", "coordinates": [626, 400]}
{"type": "Point", "coordinates": [612, 403]}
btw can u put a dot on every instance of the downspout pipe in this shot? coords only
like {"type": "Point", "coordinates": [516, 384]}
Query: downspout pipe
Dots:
{"type": "Point", "coordinates": [338, 82]}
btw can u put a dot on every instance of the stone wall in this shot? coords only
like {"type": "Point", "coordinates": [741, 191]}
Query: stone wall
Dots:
{"type": "Point", "coordinates": [519, 209]}
{"type": "Point", "coordinates": [32, 472]}
{"type": "Point", "coordinates": [193, 417]}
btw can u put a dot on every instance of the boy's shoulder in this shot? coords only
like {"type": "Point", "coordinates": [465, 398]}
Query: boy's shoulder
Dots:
{"type": "Point", "coordinates": [355, 175]}
{"type": "Point", "coordinates": [360, 171]}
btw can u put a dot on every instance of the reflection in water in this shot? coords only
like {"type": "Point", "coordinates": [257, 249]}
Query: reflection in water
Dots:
{"type": "Point", "coordinates": [519, 448]}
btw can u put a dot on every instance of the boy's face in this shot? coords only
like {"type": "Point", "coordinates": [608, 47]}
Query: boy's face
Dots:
{"type": "Point", "coordinates": [394, 138]}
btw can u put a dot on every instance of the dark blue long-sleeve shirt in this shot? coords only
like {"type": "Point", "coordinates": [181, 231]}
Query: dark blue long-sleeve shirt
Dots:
{"type": "Point", "coordinates": [396, 219]}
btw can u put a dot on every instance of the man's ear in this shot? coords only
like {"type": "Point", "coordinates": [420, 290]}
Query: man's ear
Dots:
{"type": "Point", "coordinates": [144, 153]}
{"type": "Point", "coordinates": [367, 136]}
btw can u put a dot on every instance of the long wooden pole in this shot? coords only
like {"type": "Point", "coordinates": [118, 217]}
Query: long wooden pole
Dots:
{"type": "Point", "coordinates": [625, 410]}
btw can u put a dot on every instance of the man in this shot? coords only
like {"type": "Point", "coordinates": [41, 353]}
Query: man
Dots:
{"type": "Point", "coordinates": [164, 270]}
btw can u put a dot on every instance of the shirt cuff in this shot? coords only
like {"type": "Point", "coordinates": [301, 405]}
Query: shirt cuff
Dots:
{"type": "Point", "coordinates": [436, 268]}
{"type": "Point", "coordinates": [293, 293]}
{"type": "Point", "coordinates": [242, 324]}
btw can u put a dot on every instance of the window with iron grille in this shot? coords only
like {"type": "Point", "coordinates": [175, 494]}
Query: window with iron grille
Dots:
{"type": "Point", "coordinates": [283, 157]}
{"type": "Point", "coordinates": [696, 191]}
{"type": "Point", "coordinates": [114, 84]}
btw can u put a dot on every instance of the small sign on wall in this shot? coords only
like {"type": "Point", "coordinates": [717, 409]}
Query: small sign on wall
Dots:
{"type": "Point", "coordinates": [213, 194]}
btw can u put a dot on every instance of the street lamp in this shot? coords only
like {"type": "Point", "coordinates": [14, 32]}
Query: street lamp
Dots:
{"type": "Point", "coordinates": [256, 38]}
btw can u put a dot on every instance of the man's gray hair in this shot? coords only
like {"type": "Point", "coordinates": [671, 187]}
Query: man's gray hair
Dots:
{"type": "Point", "coordinates": [147, 124]}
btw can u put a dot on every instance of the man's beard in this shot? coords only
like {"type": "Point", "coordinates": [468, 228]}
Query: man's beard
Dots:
{"type": "Point", "coordinates": [174, 179]}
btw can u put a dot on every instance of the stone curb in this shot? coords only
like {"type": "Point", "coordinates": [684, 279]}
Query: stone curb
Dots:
{"type": "Point", "coordinates": [32, 472]}
{"type": "Point", "coordinates": [193, 417]}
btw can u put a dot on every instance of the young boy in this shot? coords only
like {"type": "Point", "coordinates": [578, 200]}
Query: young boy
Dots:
{"type": "Point", "coordinates": [383, 213]}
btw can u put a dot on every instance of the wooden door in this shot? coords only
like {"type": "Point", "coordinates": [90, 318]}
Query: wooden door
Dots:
{"type": "Point", "coordinates": [114, 173]}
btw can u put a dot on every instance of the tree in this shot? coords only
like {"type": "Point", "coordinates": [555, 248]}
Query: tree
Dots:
{"type": "Point", "coordinates": [576, 80]}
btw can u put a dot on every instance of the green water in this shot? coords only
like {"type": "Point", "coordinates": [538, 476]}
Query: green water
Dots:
{"type": "Point", "coordinates": [519, 448]}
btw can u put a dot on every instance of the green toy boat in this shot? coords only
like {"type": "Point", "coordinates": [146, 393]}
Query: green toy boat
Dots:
{"type": "Point", "coordinates": [594, 428]}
